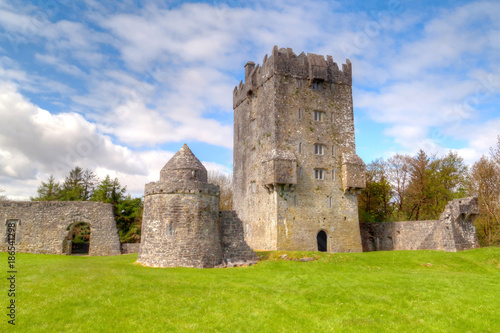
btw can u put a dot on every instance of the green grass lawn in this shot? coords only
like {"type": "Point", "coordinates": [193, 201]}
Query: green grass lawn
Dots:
{"type": "Point", "coordinates": [405, 291]}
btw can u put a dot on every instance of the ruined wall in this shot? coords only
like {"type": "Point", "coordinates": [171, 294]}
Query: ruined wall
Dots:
{"type": "Point", "coordinates": [43, 227]}
{"type": "Point", "coordinates": [454, 231]}
{"type": "Point", "coordinates": [280, 201]}
{"type": "Point", "coordinates": [405, 235]}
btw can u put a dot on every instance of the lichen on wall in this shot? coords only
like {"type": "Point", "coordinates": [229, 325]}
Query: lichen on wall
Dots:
{"type": "Point", "coordinates": [44, 226]}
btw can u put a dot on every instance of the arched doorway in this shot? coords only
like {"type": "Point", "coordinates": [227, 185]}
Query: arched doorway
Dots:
{"type": "Point", "coordinates": [322, 241]}
{"type": "Point", "coordinates": [78, 240]}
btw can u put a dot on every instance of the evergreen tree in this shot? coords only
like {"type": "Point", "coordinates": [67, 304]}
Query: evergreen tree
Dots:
{"type": "Point", "coordinates": [109, 191]}
{"type": "Point", "coordinates": [48, 191]}
{"type": "Point", "coordinates": [72, 188]}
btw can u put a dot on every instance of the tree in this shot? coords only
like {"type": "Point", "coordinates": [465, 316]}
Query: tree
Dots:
{"type": "Point", "coordinates": [88, 184]}
{"type": "Point", "coordinates": [129, 219]}
{"type": "Point", "coordinates": [419, 169]}
{"type": "Point", "coordinates": [48, 191]}
{"type": "Point", "coordinates": [225, 182]}
{"type": "Point", "coordinates": [72, 188]}
{"type": "Point", "coordinates": [375, 202]}
{"type": "Point", "coordinates": [447, 181]}
{"type": "Point", "coordinates": [398, 173]}
{"type": "Point", "coordinates": [109, 191]}
{"type": "Point", "coordinates": [484, 182]}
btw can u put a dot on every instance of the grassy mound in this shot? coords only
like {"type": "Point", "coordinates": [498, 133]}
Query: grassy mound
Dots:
{"type": "Point", "coordinates": [405, 291]}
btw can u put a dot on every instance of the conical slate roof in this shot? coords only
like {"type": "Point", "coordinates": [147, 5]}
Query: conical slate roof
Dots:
{"type": "Point", "coordinates": [182, 164]}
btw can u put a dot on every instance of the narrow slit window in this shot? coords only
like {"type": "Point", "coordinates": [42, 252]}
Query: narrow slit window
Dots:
{"type": "Point", "coordinates": [300, 147]}
{"type": "Point", "coordinates": [333, 150]}
{"type": "Point", "coordinates": [170, 228]}
{"type": "Point", "coordinates": [333, 174]}
{"type": "Point", "coordinates": [300, 114]}
{"type": "Point", "coordinates": [301, 172]}
{"type": "Point", "coordinates": [295, 200]}
{"type": "Point", "coordinates": [332, 117]}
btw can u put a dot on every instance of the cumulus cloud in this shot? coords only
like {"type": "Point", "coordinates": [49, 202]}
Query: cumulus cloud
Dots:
{"type": "Point", "coordinates": [134, 79]}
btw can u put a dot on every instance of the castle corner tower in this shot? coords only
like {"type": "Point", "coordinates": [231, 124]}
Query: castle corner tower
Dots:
{"type": "Point", "coordinates": [296, 173]}
{"type": "Point", "coordinates": [181, 216]}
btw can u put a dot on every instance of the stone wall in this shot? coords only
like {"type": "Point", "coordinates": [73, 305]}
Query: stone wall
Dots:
{"type": "Point", "coordinates": [180, 227]}
{"type": "Point", "coordinates": [234, 247]}
{"type": "Point", "coordinates": [454, 231]}
{"type": "Point", "coordinates": [128, 248]}
{"type": "Point", "coordinates": [277, 195]}
{"type": "Point", "coordinates": [405, 235]}
{"type": "Point", "coordinates": [46, 227]}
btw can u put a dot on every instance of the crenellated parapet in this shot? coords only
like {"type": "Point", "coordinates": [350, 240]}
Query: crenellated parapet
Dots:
{"type": "Point", "coordinates": [284, 61]}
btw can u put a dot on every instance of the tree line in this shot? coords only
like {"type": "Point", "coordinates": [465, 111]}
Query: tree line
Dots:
{"type": "Point", "coordinates": [408, 188]}
{"type": "Point", "coordinates": [84, 185]}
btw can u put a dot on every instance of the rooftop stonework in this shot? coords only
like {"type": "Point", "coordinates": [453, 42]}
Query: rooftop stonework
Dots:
{"type": "Point", "coordinates": [184, 166]}
{"type": "Point", "coordinates": [285, 62]}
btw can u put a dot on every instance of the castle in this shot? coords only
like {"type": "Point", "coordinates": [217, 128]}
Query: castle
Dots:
{"type": "Point", "coordinates": [296, 173]}
{"type": "Point", "coordinates": [296, 178]}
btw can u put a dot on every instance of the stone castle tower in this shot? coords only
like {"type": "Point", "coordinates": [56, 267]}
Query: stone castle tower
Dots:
{"type": "Point", "coordinates": [181, 216]}
{"type": "Point", "coordinates": [182, 225]}
{"type": "Point", "coordinates": [296, 172]}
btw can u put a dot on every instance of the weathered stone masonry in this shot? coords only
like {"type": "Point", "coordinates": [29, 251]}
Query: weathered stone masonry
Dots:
{"type": "Point", "coordinates": [44, 227]}
{"type": "Point", "coordinates": [181, 222]}
{"type": "Point", "coordinates": [454, 231]}
{"type": "Point", "coordinates": [296, 173]}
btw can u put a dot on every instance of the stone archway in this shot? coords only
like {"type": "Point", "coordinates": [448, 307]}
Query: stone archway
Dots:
{"type": "Point", "coordinates": [322, 241]}
{"type": "Point", "coordinates": [77, 242]}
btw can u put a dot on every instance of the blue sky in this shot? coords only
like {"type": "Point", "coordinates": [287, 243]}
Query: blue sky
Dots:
{"type": "Point", "coordinates": [119, 88]}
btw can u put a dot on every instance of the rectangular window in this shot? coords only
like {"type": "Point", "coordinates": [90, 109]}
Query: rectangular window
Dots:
{"type": "Point", "coordinates": [333, 174]}
{"type": "Point", "coordinates": [300, 114]}
{"type": "Point", "coordinates": [330, 202]}
{"type": "Point", "coordinates": [332, 117]}
{"type": "Point", "coordinates": [295, 201]}
{"type": "Point", "coordinates": [317, 84]}
{"type": "Point", "coordinates": [319, 115]}
{"type": "Point", "coordinates": [301, 172]}
{"type": "Point", "coordinates": [333, 150]}
{"type": "Point", "coordinates": [300, 147]}
{"type": "Point", "coordinates": [253, 186]}
{"type": "Point", "coordinates": [319, 149]}
{"type": "Point", "coordinates": [319, 174]}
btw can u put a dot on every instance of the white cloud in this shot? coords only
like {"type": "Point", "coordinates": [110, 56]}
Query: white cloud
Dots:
{"type": "Point", "coordinates": [33, 141]}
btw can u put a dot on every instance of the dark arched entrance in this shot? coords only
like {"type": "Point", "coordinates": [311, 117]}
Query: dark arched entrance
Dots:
{"type": "Point", "coordinates": [78, 239]}
{"type": "Point", "coordinates": [321, 238]}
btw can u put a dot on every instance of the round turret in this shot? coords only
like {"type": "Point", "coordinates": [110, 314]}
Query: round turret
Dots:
{"type": "Point", "coordinates": [180, 224]}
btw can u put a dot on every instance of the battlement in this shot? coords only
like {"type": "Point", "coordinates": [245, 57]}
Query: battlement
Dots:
{"type": "Point", "coordinates": [312, 67]}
